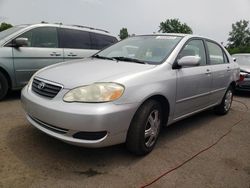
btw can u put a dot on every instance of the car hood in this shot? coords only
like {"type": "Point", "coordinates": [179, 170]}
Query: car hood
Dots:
{"type": "Point", "coordinates": [245, 68]}
{"type": "Point", "coordinates": [84, 72]}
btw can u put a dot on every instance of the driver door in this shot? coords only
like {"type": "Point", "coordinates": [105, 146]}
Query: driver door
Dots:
{"type": "Point", "coordinates": [42, 50]}
{"type": "Point", "coordinates": [193, 83]}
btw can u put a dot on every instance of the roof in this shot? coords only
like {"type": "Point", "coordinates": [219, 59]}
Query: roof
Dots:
{"type": "Point", "coordinates": [79, 27]}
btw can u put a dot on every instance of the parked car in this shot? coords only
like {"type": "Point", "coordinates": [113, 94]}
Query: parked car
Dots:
{"type": "Point", "coordinates": [24, 49]}
{"type": "Point", "coordinates": [120, 95]}
{"type": "Point", "coordinates": [244, 62]}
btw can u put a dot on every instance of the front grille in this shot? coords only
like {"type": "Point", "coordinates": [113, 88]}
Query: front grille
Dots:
{"type": "Point", "coordinates": [50, 127]}
{"type": "Point", "coordinates": [45, 89]}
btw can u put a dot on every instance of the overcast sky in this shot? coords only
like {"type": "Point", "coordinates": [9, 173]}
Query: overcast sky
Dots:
{"type": "Point", "coordinates": [211, 18]}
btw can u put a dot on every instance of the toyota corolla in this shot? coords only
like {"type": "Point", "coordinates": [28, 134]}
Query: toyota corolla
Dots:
{"type": "Point", "coordinates": [128, 91]}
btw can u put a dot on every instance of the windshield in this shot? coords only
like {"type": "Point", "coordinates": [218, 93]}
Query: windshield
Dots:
{"type": "Point", "coordinates": [10, 31]}
{"type": "Point", "coordinates": [242, 59]}
{"type": "Point", "coordinates": [147, 49]}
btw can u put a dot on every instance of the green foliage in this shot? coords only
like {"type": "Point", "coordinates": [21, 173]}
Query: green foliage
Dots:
{"type": "Point", "coordinates": [174, 26]}
{"type": "Point", "coordinates": [123, 33]}
{"type": "Point", "coordinates": [239, 38]}
{"type": "Point", "coordinates": [245, 49]}
{"type": "Point", "coordinates": [5, 26]}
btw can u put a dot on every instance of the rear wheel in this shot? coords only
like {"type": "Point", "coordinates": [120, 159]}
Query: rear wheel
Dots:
{"type": "Point", "coordinates": [144, 129]}
{"type": "Point", "coordinates": [226, 103]}
{"type": "Point", "coordinates": [3, 86]}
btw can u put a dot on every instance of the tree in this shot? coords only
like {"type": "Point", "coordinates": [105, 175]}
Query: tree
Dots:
{"type": "Point", "coordinates": [123, 33]}
{"type": "Point", "coordinates": [174, 26]}
{"type": "Point", "coordinates": [5, 26]}
{"type": "Point", "coordinates": [239, 37]}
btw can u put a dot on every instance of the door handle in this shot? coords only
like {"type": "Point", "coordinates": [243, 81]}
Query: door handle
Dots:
{"type": "Point", "coordinates": [72, 54]}
{"type": "Point", "coordinates": [55, 54]}
{"type": "Point", "coordinates": [228, 69]}
{"type": "Point", "coordinates": [208, 72]}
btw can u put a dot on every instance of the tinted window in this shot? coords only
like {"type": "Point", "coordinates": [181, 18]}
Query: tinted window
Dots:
{"type": "Point", "coordinates": [194, 48]}
{"type": "Point", "coordinates": [44, 37]}
{"type": "Point", "coordinates": [216, 54]}
{"type": "Point", "coordinates": [100, 41]}
{"type": "Point", "coordinates": [76, 39]}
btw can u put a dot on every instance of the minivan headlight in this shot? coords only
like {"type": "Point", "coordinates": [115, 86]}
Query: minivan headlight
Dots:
{"type": "Point", "coordinates": [97, 92]}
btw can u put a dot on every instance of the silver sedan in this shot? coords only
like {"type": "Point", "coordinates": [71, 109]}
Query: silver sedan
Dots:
{"type": "Point", "coordinates": [128, 91]}
{"type": "Point", "coordinates": [244, 62]}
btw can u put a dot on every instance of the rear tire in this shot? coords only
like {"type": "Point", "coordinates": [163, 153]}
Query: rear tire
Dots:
{"type": "Point", "coordinates": [144, 128]}
{"type": "Point", "coordinates": [225, 105]}
{"type": "Point", "coordinates": [3, 86]}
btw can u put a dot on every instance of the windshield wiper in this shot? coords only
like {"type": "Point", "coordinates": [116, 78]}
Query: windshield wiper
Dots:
{"type": "Point", "coordinates": [121, 58]}
{"type": "Point", "coordinates": [103, 57]}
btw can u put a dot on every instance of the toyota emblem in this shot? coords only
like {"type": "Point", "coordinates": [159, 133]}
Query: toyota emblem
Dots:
{"type": "Point", "coordinates": [41, 85]}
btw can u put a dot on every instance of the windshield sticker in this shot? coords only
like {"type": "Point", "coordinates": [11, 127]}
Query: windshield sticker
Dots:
{"type": "Point", "coordinates": [166, 37]}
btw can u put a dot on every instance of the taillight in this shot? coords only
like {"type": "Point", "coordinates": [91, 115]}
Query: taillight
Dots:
{"type": "Point", "coordinates": [242, 77]}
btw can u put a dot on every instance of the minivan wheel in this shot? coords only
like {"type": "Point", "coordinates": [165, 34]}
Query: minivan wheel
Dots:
{"type": "Point", "coordinates": [144, 129]}
{"type": "Point", "coordinates": [226, 103]}
{"type": "Point", "coordinates": [3, 86]}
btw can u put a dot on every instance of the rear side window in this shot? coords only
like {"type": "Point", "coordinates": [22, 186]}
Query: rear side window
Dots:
{"type": "Point", "coordinates": [76, 39]}
{"type": "Point", "coordinates": [216, 54]}
{"type": "Point", "coordinates": [42, 37]}
{"type": "Point", "coordinates": [100, 41]}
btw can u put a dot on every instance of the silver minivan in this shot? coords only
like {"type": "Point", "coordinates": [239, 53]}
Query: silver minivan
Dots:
{"type": "Point", "coordinates": [24, 49]}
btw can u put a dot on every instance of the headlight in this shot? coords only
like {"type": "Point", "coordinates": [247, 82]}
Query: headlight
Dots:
{"type": "Point", "coordinates": [97, 92]}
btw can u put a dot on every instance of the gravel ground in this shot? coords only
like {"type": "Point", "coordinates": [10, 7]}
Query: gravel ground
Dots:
{"type": "Point", "coordinates": [30, 158]}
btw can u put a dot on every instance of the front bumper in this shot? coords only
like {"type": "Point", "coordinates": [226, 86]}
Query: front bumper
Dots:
{"type": "Point", "coordinates": [63, 120]}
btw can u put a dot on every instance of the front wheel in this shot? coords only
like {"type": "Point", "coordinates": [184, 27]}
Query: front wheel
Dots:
{"type": "Point", "coordinates": [226, 103]}
{"type": "Point", "coordinates": [144, 129]}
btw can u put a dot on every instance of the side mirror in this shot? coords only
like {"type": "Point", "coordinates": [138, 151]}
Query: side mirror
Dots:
{"type": "Point", "coordinates": [188, 61]}
{"type": "Point", "coordinates": [19, 42]}
{"type": "Point", "coordinates": [234, 59]}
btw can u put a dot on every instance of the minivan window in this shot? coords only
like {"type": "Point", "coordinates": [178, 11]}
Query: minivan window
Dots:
{"type": "Point", "coordinates": [10, 31]}
{"type": "Point", "coordinates": [43, 37]}
{"type": "Point", "coordinates": [100, 41]}
{"type": "Point", "coordinates": [194, 48]}
{"type": "Point", "coordinates": [75, 39]}
{"type": "Point", "coordinates": [150, 49]}
{"type": "Point", "coordinates": [216, 54]}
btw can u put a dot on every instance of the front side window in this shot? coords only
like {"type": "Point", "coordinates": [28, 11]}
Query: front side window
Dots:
{"type": "Point", "coordinates": [148, 49]}
{"type": "Point", "coordinates": [194, 48]}
{"type": "Point", "coordinates": [42, 37]}
{"type": "Point", "coordinates": [216, 55]}
{"type": "Point", "coordinates": [75, 39]}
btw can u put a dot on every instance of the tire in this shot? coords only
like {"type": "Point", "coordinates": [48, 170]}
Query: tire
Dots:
{"type": "Point", "coordinates": [4, 87]}
{"type": "Point", "coordinates": [225, 105]}
{"type": "Point", "coordinates": [144, 128]}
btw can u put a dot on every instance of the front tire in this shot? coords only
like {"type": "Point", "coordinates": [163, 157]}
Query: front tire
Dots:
{"type": "Point", "coordinates": [144, 129]}
{"type": "Point", "coordinates": [225, 105]}
{"type": "Point", "coordinates": [3, 86]}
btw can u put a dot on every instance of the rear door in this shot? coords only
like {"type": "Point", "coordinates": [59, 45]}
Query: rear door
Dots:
{"type": "Point", "coordinates": [42, 50]}
{"type": "Point", "coordinates": [221, 71]}
{"type": "Point", "coordinates": [76, 44]}
{"type": "Point", "coordinates": [193, 83]}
